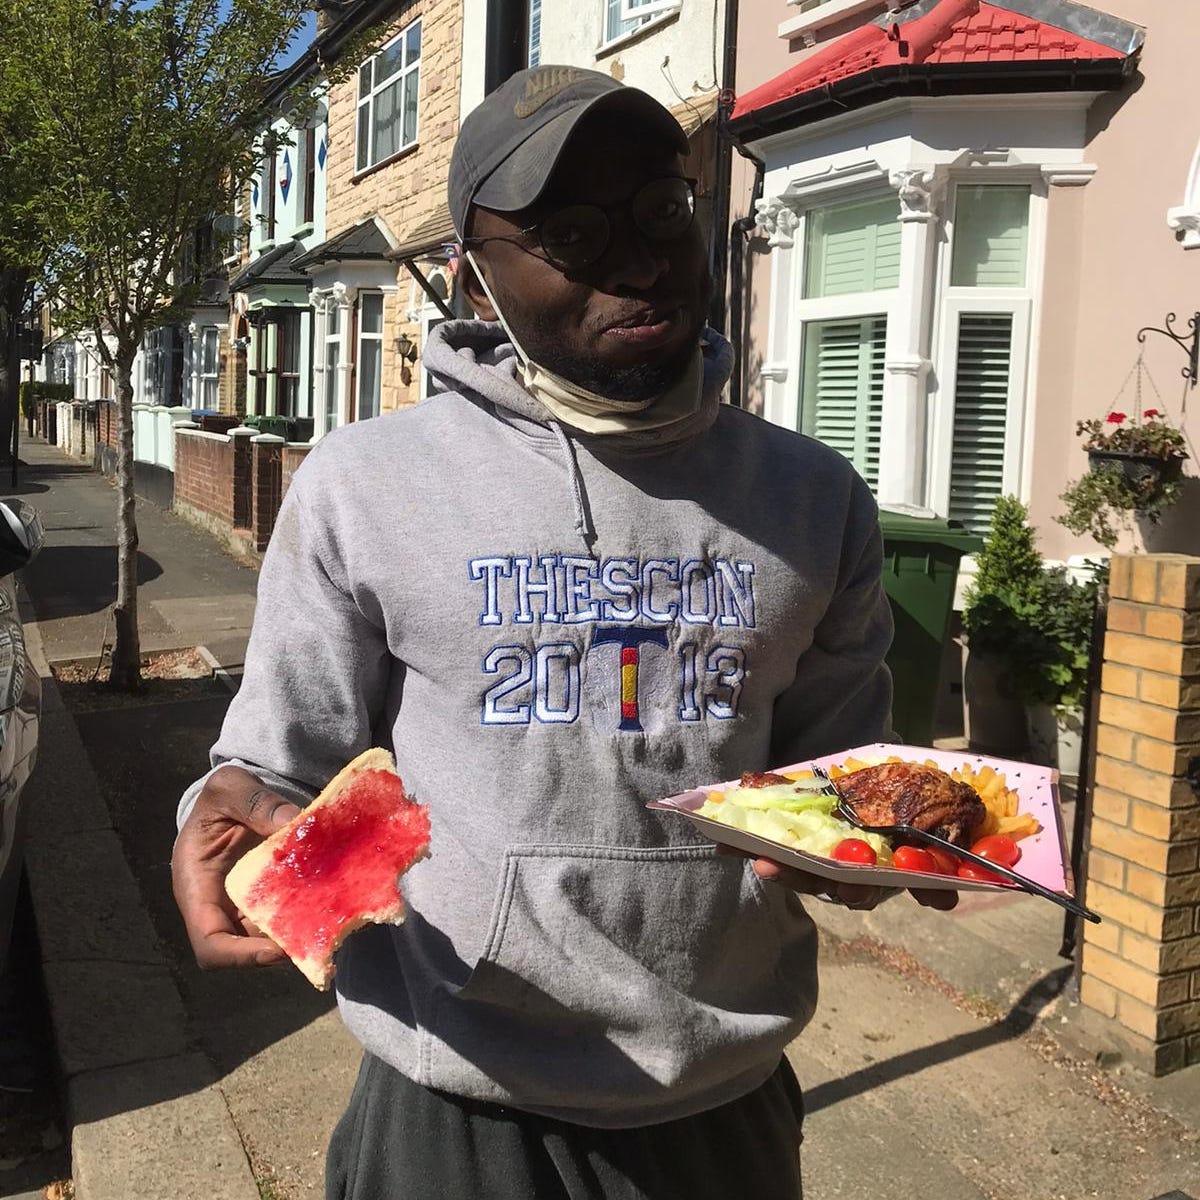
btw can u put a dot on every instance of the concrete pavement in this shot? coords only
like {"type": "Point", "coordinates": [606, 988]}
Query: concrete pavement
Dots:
{"type": "Point", "coordinates": [943, 1061]}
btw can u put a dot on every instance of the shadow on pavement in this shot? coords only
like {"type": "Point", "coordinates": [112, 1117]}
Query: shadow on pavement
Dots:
{"type": "Point", "coordinates": [1017, 1021]}
{"type": "Point", "coordinates": [68, 581]}
{"type": "Point", "coordinates": [145, 751]}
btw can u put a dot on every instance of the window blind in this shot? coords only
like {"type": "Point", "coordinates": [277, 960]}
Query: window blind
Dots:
{"type": "Point", "coordinates": [991, 236]}
{"type": "Point", "coordinates": [853, 247]}
{"type": "Point", "coordinates": [842, 401]}
{"type": "Point", "coordinates": [982, 377]}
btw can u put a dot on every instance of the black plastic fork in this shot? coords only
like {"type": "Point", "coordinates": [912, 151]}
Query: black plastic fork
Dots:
{"type": "Point", "coordinates": [847, 813]}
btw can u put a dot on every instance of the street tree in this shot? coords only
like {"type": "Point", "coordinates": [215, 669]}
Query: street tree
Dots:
{"type": "Point", "coordinates": [142, 120]}
{"type": "Point", "coordinates": [21, 250]}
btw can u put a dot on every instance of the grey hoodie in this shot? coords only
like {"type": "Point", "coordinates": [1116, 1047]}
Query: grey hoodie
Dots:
{"type": "Point", "coordinates": [550, 630]}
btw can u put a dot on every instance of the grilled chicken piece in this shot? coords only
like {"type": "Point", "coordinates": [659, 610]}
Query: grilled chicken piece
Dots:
{"type": "Point", "coordinates": [762, 779]}
{"type": "Point", "coordinates": [911, 794]}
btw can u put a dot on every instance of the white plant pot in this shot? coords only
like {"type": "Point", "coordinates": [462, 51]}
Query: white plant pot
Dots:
{"type": "Point", "coordinates": [1055, 737]}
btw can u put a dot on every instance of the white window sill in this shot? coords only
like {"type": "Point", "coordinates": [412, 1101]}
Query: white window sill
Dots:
{"type": "Point", "coordinates": [641, 31]}
{"type": "Point", "coordinates": [825, 14]}
{"type": "Point", "coordinates": [301, 231]}
{"type": "Point", "coordinates": [403, 152]}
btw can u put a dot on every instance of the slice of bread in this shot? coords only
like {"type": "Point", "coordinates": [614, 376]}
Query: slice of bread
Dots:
{"type": "Point", "coordinates": [335, 867]}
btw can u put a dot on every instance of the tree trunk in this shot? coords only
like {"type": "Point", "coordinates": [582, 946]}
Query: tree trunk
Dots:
{"type": "Point", "coordinates": [127, 651]}
{"type": "Point", "coordinates": [12, 298]}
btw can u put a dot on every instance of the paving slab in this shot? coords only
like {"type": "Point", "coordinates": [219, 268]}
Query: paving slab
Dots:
{"type": "Point", "coordinates": [904, 1089]}
{"type": "Point", "coordinates": [155, 1130]}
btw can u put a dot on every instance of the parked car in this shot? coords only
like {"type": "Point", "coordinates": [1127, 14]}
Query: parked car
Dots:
{"type": "Point", "coordinates": [20, 705]}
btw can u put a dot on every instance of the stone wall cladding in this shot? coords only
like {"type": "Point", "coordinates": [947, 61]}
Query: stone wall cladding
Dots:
{"type": "Point", "coordinates": [409, 189]}
{"type": "Point", "coordinates": [1141, 967]}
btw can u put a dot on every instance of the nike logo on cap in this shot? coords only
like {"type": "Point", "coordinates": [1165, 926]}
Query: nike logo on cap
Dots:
{"type": "Point", "coordinates": [542, 86]}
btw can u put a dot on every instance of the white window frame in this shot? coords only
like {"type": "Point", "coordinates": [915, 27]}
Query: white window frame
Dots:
{"type": "Point", "coordinates": [950, 303]}
{"type": "Point", "coordinates": [648, 16]}
{"type": "Point", "coordinates": [331, 391]}
{"type": "Point", "coordinates": [205, 380]}
{"type": "Point", "coordinates": [786, 410]}
{"type": "Point", "coordinates": [817, 14]}
{"type": "Point", "coordinates": [361, 335]}
{"type": "Point", "coordinates": [396, 78]}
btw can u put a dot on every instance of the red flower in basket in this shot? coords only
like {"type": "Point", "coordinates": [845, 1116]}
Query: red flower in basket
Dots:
{"type": "Point", "coordinates": [1151, 414]}
{"type": "Point", "coordinates": [1115, 418]}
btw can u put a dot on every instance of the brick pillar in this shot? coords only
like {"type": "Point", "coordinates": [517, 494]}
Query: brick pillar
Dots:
{"type": "Point", "coordinates": [268, 486]}
{"type": "Point", "coordinates": [1141, 967]}
{"type": "Point", "coordinates": [243, 476]}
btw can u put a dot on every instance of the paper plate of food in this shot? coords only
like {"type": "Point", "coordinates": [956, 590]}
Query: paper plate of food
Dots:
{"type": "Point", "coordinates": [897, 817]}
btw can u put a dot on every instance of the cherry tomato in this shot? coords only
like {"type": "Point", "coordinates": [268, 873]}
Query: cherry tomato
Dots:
{"type": "Point", "coordinates": [913, 858]}
{"type": "Point", "coordinates": [855, 850]}
{"type": "Point", "coordinates": [945, 862]}
{"type": "Point", "coordinates": [998, 848]}
{"type": "Point", "coordinates": [969, 870]}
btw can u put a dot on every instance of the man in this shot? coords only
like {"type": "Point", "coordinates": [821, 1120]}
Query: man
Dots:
{"type": "Point", "coordinates": [571, 583]}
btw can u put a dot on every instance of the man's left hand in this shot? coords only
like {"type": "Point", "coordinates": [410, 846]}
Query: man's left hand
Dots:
{"type": "Point", "coordinates": [859, 897]}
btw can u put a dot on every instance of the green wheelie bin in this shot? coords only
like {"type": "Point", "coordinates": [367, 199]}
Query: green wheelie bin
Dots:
{"type": "Point", "coordinates": [921, 555]}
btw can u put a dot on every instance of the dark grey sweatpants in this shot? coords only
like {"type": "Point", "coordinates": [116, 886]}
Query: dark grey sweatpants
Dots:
{"type": "Point", "coordinates": [400, 1141]}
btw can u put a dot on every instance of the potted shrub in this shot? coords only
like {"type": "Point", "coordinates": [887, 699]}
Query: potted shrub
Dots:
{"type": "Point", "coordinates": [1134, 471]}
{"type": "Point", "coordinates": [1032, 626]}
{"type": "Point", "coordinates": [1051, 660]}
{"type": "Point", "coordinates": [1006, 570]}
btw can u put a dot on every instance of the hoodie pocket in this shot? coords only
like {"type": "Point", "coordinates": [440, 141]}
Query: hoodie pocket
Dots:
{"type": "Point", "coordinates": [612, 977]}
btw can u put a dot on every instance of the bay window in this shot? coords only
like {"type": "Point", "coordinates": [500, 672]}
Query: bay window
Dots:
{"type": "Point", "coordinates": [885, 324]}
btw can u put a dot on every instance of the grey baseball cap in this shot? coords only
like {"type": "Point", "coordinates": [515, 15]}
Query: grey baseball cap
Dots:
{"type": "Point", "coordinates": [508, 147]}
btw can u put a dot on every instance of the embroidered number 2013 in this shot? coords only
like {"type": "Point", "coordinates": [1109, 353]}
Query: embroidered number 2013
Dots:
{"type": "Point", "coordinates": [552, 670]}
{"type": "Point", "coordinates": [543, 683]}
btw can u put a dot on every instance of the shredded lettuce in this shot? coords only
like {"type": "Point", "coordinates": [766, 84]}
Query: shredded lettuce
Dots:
{"type": "Point", "coordinates": [792, 815]}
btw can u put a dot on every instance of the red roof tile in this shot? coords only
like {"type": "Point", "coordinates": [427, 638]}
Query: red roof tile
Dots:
{"type": "Point", "coordinates": [954, 32]}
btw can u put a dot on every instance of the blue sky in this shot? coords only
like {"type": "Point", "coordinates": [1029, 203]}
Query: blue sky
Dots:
{"type": "Point", "coordinates": [302, 41]}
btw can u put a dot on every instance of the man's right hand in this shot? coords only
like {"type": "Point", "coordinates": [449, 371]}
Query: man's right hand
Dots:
{"type": "Point", "coordinates": [232, 814]}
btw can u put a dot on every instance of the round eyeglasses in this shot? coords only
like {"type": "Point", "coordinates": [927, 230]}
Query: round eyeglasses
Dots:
{"type": "Point", "coordinates": [580, 234]}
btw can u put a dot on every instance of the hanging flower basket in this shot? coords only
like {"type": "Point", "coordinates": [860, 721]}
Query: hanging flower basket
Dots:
{"type": "Point", "coordinates": [1141, 470]}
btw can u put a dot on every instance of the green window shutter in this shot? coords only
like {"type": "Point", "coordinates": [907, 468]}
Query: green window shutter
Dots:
{"type": "Point", "coordinates": [991, 236]}
{"type": "Point", "coordinates": [842, 401]}
{"type": "Point", "coordinates": [982, 377]}
{"type": "Point", "coordinates": [853, 247]}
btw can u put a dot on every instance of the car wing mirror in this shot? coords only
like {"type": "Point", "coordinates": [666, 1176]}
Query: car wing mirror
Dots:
{"type": "Point", "coordinates": [21, 535]}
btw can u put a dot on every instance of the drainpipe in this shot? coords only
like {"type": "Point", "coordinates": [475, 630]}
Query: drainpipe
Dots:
{"type": "Point", "coordinates": [507, 41]}
{"type": "Point", "coordinates": [738, 242]}
{"type": "Point", "coordinates": [719, 254]}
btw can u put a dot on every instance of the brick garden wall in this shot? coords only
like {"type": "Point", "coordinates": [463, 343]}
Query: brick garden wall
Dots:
{"type": "Point", "coordinates": [293, 456]}
{"type": "Point", "coordinates": [1141, 966]}
{"type": "Point", "coordinates": [233, 485]}
{"type": "Point", "coordinates": [204, 476]}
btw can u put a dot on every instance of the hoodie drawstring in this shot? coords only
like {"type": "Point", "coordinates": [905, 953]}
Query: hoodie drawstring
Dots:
{"type": "Point", "coordinates": [583, 520]}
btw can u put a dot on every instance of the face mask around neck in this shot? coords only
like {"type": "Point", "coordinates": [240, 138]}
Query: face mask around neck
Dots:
{"type": "Point", "coordinates": [590, 412]}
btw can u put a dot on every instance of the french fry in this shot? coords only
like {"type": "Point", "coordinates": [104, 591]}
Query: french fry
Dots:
{"type": "Point", "coordinates": [717, 797]}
